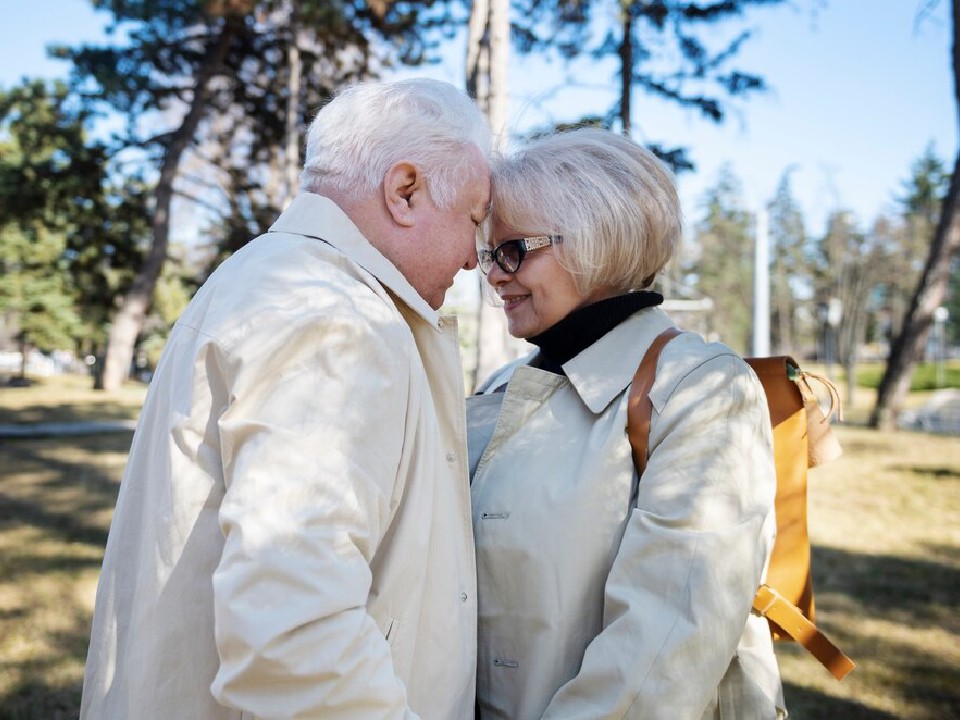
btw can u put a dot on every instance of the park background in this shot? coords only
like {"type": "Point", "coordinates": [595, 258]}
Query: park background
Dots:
{"type": "Point", "coordinates": [833, 124]}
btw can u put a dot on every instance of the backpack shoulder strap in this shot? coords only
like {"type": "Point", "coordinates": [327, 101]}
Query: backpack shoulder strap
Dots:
{"type": "Point", "coordinates": [639, 406]}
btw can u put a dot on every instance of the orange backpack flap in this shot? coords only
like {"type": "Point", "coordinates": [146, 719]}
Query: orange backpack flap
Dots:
{"type": "Point", "coordinates": [801, 439]}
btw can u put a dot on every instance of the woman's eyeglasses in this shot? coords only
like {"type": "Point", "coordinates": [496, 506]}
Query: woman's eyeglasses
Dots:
{"type": "Point", "coordinates": [510, 253]}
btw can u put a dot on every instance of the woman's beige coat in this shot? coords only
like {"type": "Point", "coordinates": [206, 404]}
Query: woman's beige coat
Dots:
{"type": "Point", "coordinates": [602, 598]}
{"type": "Point", "coordinates": [292, 537]}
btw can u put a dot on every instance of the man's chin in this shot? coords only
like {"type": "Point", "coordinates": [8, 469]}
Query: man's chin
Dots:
{"type": "Point", "coordinates": [436, 302]}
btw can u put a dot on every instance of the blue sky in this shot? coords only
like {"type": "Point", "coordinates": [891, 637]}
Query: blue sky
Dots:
{"type": "Point", "coordinates": [859, 88]}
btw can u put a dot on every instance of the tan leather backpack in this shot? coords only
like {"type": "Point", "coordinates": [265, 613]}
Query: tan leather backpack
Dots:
{"type": "Point", "coordinates": [802, 439]}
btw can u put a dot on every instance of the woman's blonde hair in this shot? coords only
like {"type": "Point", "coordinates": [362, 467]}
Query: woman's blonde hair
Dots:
{"type": "Point", "coordinates": [613, 202]}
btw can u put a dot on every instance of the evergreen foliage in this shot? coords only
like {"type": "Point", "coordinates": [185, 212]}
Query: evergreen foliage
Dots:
{"type": "Point", "coordinates": [206, 82]}
{"type": "Point", "coordinates": [724, 268]}
{"type": "Point", "coordinates": [791, 282]}
{"type": "Point", "coordinates": [681, 52]}
{"type": "Point", "coordinates": [67, 242]}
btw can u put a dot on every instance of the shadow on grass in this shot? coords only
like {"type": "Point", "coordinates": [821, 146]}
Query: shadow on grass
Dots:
{"type": "Point", "coordinates": [860, 597]}
{"type": "Point", "coordinates": [59, 492]}
{"type": "Point", "coordinates": [910, 590]}
{"type": "Point", "coordinates": [937, 473]}
{"type": "Point", "coordinates": [69, 529]}
{"type": "Point", "coordinates": [67, 412]}
{"type": "Point", "coordinates": [37, 700]}
{"type": "Point", "coordinates": [71, 490]}
{"type": "Point", "coordinates": [64, 497]}
{"type": "Point", "coordinates": [39, 696]}
{"type": "Point", "coordinates": [806, 704]}
{"type": "Point", "coordinates": [68, 398]}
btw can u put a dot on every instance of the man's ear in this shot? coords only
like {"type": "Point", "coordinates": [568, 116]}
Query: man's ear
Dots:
{"type": "Point", "coordinates": [403, 188]}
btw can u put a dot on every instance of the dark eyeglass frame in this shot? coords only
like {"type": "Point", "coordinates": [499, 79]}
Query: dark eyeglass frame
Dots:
{"type": "Point", "coordinates": [486, 258]}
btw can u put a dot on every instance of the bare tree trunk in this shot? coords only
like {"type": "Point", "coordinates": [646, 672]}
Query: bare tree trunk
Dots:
{"type": "Point", "coordinates": [24, 353]}
{"type": "Point", "coordinates": [292, 154]}
{"type": "Point", "coordinates": [784, 302]}
{"type": "Point", "coordinates": [851, 331]}
{"type": "Point", "coordinates": [626, 69]}
{"type": "Point", "coordinates": [129, 319]}
{"type": "Point", "coordinates": [908, 345]}
{"type": "Point", "coordinates": [488, 50]}
{"type": "Point", "coordinates": [499, 62]}
{"type": "Point", "coordinates": [478, 53]}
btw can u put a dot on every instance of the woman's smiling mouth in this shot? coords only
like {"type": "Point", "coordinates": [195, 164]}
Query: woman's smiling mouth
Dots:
{"type": "Point", "coordinates": [511, 302]}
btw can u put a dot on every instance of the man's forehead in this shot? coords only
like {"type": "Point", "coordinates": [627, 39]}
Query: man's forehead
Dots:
{"type": "Point", "coordinates": [482, 199]}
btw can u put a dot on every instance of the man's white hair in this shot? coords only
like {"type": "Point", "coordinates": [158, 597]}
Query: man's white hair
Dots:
{"type": "Point", "coordinates": [368, 127]}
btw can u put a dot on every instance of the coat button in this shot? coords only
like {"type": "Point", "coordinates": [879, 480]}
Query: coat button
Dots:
{"type": "Point", "coordinates": [463, 597]}
{"type": "Point", "coordinates": [451, 457]}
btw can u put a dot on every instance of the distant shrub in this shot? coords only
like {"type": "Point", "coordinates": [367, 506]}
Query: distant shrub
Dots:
{"type": "Point", "coordinates": [924, 377]}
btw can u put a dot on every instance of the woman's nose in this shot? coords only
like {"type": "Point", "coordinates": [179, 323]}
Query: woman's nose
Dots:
{"type": "Point", "coordinates": [496, 275]}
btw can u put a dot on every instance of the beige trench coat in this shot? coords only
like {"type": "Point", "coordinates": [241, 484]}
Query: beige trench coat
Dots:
{"type": "Point", "coordinates": [602, 598]}
{"type": "Point", "coordinates": [293, 537]}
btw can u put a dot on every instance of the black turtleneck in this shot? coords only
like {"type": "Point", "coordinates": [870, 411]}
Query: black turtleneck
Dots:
{"type": "Point", "coordinates": [584, 326]}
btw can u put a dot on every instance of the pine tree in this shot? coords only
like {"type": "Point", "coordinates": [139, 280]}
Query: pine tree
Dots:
{"type": "Point", "coordinates": [201, 65]}
{"type": "Point", "coordinates": [791, 284]}
{"type": "Point", "coordinates": [51, 183]}
{"type": "Point", "coordinates": [724, 268]}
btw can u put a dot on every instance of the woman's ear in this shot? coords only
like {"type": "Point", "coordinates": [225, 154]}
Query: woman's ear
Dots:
{"type": "Point", "coordinates": [402, 186]}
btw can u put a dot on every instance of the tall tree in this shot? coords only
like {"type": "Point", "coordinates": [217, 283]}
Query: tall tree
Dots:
{"type": "Point", "coordinates": [791, 284]}
{"type": "Point", "coordinates": [703, 77]}
{"type": "Point", "coordinates": [952, 304]}
{"type": "Point", "coordinates": [194, 60]}
{"type": "Point", "coordinates": [63, 227]}
{"type": "Point", "coordinates": [670, 49]}
{"type": "Point", "coordinates": [846, 275]}
{"type": "Point", "coordinates": [724, 268]}
{"type": "Point", "coordinates": [35, 289]}
{"type": "Point", "coordinates": [175, 51]}
{"type": "Point", "coordinates": [908, 345]}
{"type": "Point", "coordinates": [488, 55]}
{"type": "Point", "coordinates": [904, 244]}
{"type": "Point", "coordinates": [488, 52]}
{"type": "Point", "coordinates": [662, 49]}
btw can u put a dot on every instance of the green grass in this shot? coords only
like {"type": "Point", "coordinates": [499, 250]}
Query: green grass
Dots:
{"type": "Point", "coordinates": [925, 378]}
{"type": "Point", "coordinates": [884, 521]}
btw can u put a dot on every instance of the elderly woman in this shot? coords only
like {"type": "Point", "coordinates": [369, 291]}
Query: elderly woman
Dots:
{"type": "Point", "coordinates": [601, 595]}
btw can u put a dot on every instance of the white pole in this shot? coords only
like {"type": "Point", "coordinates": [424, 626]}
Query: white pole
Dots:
{"type": "Point", "coordinates": [761, 287]}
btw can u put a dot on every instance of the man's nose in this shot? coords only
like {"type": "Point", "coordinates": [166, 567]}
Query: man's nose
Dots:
{"type": "Point", "coordinates": [471, 262]}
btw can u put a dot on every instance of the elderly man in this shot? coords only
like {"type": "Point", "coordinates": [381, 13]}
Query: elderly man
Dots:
{"type": "Point", "coordinates": [292, 537]}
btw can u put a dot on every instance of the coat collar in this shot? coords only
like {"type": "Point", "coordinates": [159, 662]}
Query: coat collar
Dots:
{"type": "Point", "coordinates": [604, 370]}
{"type": "Point", "coordinates": [310, 214]}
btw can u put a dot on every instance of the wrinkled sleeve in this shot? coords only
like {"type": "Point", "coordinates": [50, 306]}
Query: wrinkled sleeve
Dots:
{"type": "Point", "coordinates": [311, 445]}
{"type": "Point", "coordinates": [694, 549]}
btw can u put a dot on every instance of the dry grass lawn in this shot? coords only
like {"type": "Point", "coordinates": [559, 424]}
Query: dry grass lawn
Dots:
{"type": "Point", "coordinates": [885, 522]}
{"type": "Point", "coordinates": [885, 526]}
{"type": "Point", "coordinates": [68, 398]}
